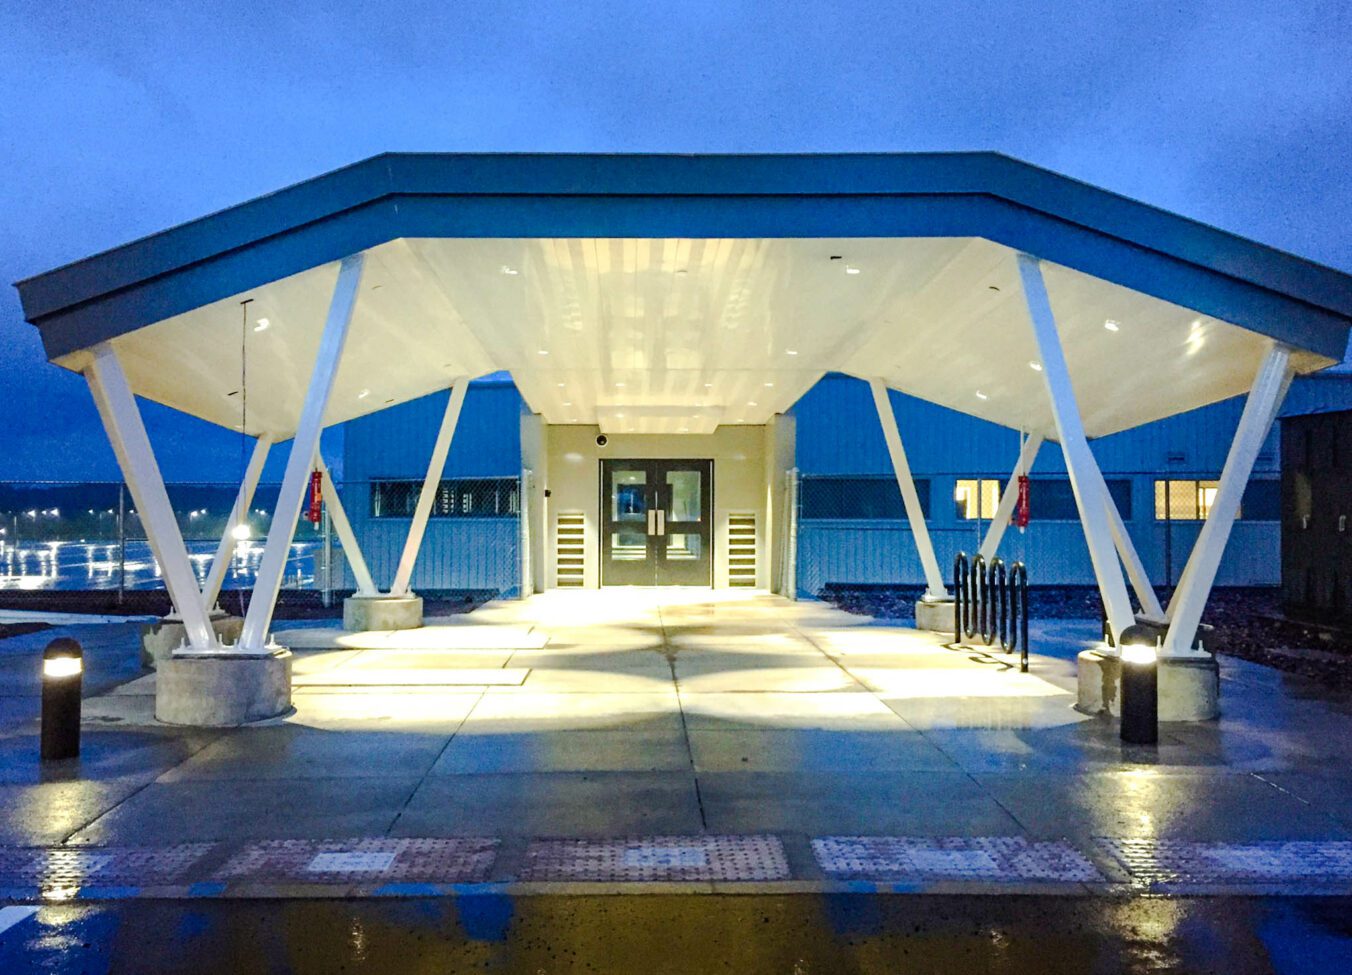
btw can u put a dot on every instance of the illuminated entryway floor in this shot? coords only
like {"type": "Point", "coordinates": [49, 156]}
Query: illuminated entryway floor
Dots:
{"type": "Point", "coordinates": [614, 658]}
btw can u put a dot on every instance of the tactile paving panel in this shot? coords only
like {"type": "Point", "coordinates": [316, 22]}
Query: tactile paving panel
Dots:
{"type": "Point", "coordinates": [457, 860]}
{"type": "Point", "coordinates": [75, 866]}
{"type": "Point", "coordinates": [1267, 862]}
{"type": "Point", "coordinates": [657, 858]}
{"type": "Point", "coordinates": [984, 858]}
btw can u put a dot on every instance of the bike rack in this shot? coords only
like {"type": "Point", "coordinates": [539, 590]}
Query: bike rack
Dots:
{"type": "Point", "coordinates": [990, 601]}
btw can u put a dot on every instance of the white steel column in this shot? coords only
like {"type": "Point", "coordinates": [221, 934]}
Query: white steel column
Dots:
{"type": "Point", "coordinates": [915, 514]}
{"type": "Point", "coordinates": [1131, 560]}
{"type": "Point", "coordinates": [1194, 586]}
{"type": "Point", "coordinates": [431, 483]}
{"type": "Point", "coordinates": [127, 434]}
{"type": "Point", "coordinates": [1085, 480]}
{"type": "Point", "coordinates": [304, 446]}
{"type": "Point", "coordinates": [239, 515]}
{"type": "Point", "coordinates": [1004, 512]}
{"type": "Point", "coordinates": [343, 528]}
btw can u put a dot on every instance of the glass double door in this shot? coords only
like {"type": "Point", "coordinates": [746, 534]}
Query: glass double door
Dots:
{"type": "Point", "coordinates": [656, 522]}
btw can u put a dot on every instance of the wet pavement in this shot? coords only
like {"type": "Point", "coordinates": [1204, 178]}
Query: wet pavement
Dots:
{"type": "Point", "coordinates": [842, 796]}
{"type": "Point", "coordinates": [787, 935]}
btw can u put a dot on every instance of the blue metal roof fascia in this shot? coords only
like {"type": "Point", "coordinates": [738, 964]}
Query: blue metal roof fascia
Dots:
{"type": "Point", "coordinates": [233, 272]}
{"type": "Point", "coordinates": [451, 174]}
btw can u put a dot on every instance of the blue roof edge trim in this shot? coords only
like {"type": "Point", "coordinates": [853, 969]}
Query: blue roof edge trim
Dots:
{"type": "Point", "coordinates": [399, 195]}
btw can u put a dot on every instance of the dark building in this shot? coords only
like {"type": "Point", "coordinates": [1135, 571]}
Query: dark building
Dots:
{"type": "Point", "coordinates": [1316, 505]}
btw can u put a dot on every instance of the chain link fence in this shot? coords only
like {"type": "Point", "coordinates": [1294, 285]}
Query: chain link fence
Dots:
{"type": "Point", "coordinates": [80, 546]}
{"type": "Point", "coordinates": [851, 529]}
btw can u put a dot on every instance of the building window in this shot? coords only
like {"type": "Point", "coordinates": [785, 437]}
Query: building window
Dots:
{"type": "Point", "coordinates": [480, 497]}
{"type": "Point", "coordinates": [1192, 500]}
{"type": "Point", "coordinates": [1049, 499]}
{"type": "Point", "coordinates": [976, 499]}
{"type": "Point", "coordinates": [828, 497]}
{"type": "Point", "coordinates": [1184, 500]}
{"type": "Point", "coordinates": [1053, 499]}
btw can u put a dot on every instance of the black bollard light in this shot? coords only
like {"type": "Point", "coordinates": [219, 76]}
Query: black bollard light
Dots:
{"type": "Point", "coordinates": [1140, 686]}
{"type": "Point", "coordinates": [62, 682]}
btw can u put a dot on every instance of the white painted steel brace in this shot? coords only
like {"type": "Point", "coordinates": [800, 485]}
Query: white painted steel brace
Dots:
{"type": "Point", "coordinates": [1085, 479]}
{"type": "Point", "coordinates": [417, 527]}
{"type": "Point", "coordinates": [131, 444]}
{"type": "Point", "coordinates": [915, 513]}
{"type": "Point", "coordinates": [239, 515]}
{"type": "Point", "coordinates": [342, 527]}
{"type": "Point", "coordinates": [1004, 512]}
{"type": "Point", "coordinates": [304, 447]}
{"type": "Point", "coordinates": [1194, 586]}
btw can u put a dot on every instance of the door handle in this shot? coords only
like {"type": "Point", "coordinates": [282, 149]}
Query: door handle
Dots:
{"type": "Point", "coordinates": [661, 522]}
{"type": "Point", "coordinates": [652, 521]}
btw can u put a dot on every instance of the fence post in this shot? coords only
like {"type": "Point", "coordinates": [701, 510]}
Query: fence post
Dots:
{"type": "Point", "coordinates": [121, 542]}
{"type": "Point", "coordinates": [524, 543]}
{"type": "Point", "coordinates": [326, 597]}
{"type": "Point", "coordinates": [791, 540]}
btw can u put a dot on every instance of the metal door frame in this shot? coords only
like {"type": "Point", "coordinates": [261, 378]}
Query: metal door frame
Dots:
{"type": "Point", "coordinates": [656, 502]}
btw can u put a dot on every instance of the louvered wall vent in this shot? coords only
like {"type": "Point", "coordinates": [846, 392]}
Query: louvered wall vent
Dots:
{"type": "Point", "coordinates": [742, 550]}
{"type": "Point", "coordinates": [570, 549]}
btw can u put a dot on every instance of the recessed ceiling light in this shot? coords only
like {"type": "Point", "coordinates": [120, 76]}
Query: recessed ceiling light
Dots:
{"type": "Point", "coordinates": [619, 385]}
{"type": "Point", "coordinates": [1111, 325]}
{"type": "Point", "coordinates": [708, 385]}
{"type": "Point", "coordinates": [851, 269]}
{"type": "Point", "coordinates": [363, 394]}
{"type": "Point", "coordinates": [262, 325]}
{"type": "Point", "coordinates": [542, 351]}
{"type": "Point", "coordinates": [752, 403]}
{"type": "Point", "coordinates": [768, 385]}
{"type": "Point", "coordinates": [567, 404]}
{"type": "Point", "coordinates": [1034, 365]}
{"type": "Point", "coordinates": [981, 395]}
{"type": "Point", "coordinates": [790, 351]}
{"type": "Point", "coordinates": [509, 270]}
{"type": "Point", "coordinates": [561, 385]}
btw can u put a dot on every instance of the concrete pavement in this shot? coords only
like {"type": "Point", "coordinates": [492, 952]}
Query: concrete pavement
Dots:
{"type": "Point", "coordinates": [666, 716]}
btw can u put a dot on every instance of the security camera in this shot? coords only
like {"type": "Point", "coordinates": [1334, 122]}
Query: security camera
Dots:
{"type": "Point", "coordinates": [601, 440]}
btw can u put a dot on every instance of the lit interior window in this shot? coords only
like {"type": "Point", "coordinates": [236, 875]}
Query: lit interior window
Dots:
{"type": "Point", "coordinates": [1184, 500]}
{"type": "Point", "coordinates": [976, 498]}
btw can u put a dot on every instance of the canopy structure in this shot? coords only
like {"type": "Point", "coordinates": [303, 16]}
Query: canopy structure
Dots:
{"type": "Point", "coordinates": [666, 293]}
{"type": "Point", "coordinates": [679, 294]}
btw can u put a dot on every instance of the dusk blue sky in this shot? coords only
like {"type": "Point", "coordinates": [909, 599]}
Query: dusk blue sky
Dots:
{"type": "Point", "coordinates": [121, 119]}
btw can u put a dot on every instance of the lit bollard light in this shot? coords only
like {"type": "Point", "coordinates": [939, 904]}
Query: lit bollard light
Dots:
{"type": "Point", "coordinates": [1140, 686]}
{"type": "Point", "coordinates": [62, 682]}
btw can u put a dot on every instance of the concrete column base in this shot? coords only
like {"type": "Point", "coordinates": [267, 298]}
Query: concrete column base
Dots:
{"type": "Point", "coordinates": [163, 637]}
{"type": "Point", "coordinates": [222, 690]}
{"type": "Point", "coordinates": [382, 613]}
{"type": "Point", "coordinates": [1189, 687]}
{"type": "Point", "coordinates": [935, 615]}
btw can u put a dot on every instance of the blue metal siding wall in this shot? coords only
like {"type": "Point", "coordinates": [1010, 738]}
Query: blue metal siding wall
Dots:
{"type": "Point", "coordinates": [1055, 552]}
{"type": "Point", "coordinates": [838, 433]}
{"type": "Point", "coordinates": [398, 442]}
{"type": "Point", "coordinates": [459, 552]}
